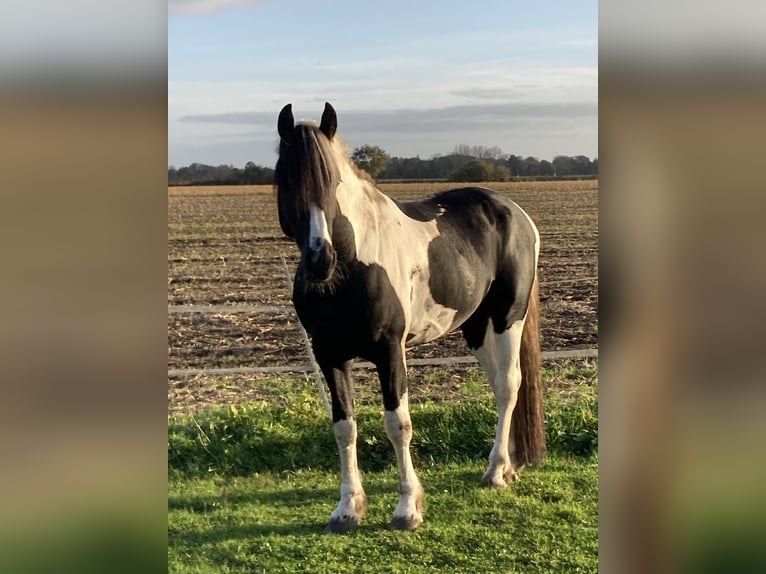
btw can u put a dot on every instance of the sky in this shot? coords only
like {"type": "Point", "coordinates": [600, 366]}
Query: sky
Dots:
{"type": "Point", "coordinates": [414, 77]}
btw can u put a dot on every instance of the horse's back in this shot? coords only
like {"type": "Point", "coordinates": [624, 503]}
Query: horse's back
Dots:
{"type": "Point", "coordinates": [483, 226]}
{"type": "Point", "coordinates": [485, 246]}
{"type": "Point", "coordinates": [470, 210]}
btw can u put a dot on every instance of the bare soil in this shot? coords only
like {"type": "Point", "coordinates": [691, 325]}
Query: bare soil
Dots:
{"type": "Point", "coordinates": [225, 247]}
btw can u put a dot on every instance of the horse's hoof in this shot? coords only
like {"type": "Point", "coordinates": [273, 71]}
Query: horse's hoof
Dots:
{"type": "Point", "coordinates": [343, 524]}
{"type": "Point", "coordinates": [493, 481]}
{"type": "Point", "coordinates": [406, 522]}
{"type": "Point", "coordinates": [498, 483]}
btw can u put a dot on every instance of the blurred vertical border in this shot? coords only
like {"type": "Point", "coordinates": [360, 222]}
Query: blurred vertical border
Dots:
{"type": "Point", "coordinates": [682, 124]}
{"type": "Point", "coordinates": [83, 204]}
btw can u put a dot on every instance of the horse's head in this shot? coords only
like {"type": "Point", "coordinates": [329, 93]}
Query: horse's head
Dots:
{"type": "Point", "coordinates": [306, 177]}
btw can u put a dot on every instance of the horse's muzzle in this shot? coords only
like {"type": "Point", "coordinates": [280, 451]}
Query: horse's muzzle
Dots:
{"type": "Point", "coordinates": [320, 263]}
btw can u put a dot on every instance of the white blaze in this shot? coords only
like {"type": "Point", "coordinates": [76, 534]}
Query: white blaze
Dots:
{"type": "Point", "coordinates": [319, 231]}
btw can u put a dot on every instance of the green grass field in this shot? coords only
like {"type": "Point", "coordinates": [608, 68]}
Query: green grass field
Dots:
{"type": "Point", "coordinates": [251, 488]}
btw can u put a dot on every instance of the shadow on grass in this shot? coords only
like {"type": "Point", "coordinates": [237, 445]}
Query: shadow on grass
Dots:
{"type": "Point", "coordinates": [252, 511]}
{"type": "Point", "coordinates": [250, 531]}
{"type": "Point", "coordinates": [288, 499]}
{"type": "Point", "coordinates": [260, 439]}
{"type": "Point", "coordinates": [293, 498]}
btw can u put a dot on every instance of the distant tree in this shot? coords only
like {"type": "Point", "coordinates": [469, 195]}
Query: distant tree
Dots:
{"type": "Point", "coordinates": [532, 166]}
{"type": "Point", "coordinates": [500, 172]}
{"type": "Point", "coordinates": [370, 158]}
{"type": "Point", "coordinates": [516, 165]}
{"type": "Point", "coordinates": [255, 174]}
{"type": "Point", "coordinates": [479, 151]}
{"type": "Point", "coordinates": [476, 170]}
{"type": "Point", "coordinates": [201, 174]}
{"type": "Point", "coordinates": [481, 170]}
{"type": "Point", "coordinates": [546, 168]}
{"type": "Point", "coordinates": [581, 165]}
{"type": "Point", "coordinates": [463, 149]}
{"type": "Point", "coordinates": [493, 152]}
{"type": "Point", "coordinates": [564, 165]}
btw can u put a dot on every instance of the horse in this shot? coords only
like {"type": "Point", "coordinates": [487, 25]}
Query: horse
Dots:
{"type": "Point", "coordinates": [377, 276]}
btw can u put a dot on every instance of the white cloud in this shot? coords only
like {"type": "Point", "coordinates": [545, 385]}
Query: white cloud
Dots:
{"type": "Point", "coordinates": [502, 84]}
{"type": "Point", "coordinates": [206, 6]}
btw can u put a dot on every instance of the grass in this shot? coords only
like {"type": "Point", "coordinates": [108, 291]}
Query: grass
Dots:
{"type": "Point", "coordinates": [252, 486]}
{"type": "Point", "coordinates": [274, 522]}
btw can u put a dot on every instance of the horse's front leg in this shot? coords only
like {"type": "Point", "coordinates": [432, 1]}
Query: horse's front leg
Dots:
{"type": "Point", "coordinates": [392, 370]}
{"type": "Point", "coordinates": [353, 501]}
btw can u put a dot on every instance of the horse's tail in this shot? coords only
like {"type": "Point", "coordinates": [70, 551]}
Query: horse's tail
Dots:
{"type": "Point", "coordinates": [528, 418]}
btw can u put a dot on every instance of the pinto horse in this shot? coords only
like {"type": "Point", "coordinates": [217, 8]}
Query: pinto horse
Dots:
{"type": "Point", "coordinates": [376, 276]}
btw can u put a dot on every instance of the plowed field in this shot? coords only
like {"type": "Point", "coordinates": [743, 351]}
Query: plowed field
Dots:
{"type": "Point", "coordinates": [225, 247]}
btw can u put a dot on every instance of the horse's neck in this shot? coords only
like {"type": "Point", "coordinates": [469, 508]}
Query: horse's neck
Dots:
{"type": "Point", "coordinates": [359, 199]}
{"type": "Point", "coordinates": [366, 207]}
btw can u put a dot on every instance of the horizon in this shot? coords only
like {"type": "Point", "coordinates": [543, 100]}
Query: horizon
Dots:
{"type": "Point", "coordinates": [435, 156]}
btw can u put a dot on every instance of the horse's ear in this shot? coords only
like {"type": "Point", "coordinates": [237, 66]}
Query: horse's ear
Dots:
{"type": "Point", "coordinates": [329, 121]}
{"type": "Point", "coordinates": [285, 123]}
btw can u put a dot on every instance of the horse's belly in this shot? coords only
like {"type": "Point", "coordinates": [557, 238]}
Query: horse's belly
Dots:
{"type": "Point", "coordinates": [429, 320]}
{"type": "Point", "coordinates": [442, 303]}
{"type": "Point", "coordinates": [430, 325]}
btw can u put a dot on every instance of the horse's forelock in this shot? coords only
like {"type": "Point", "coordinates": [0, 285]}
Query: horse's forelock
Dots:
{"type": "Point", "coordinates": [308, 167]}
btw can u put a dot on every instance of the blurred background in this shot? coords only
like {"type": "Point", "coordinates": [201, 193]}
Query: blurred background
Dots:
{"type": "Point", "coordinates": [681, 124]}
{"type": "Point", "coordinates": [82, 244]}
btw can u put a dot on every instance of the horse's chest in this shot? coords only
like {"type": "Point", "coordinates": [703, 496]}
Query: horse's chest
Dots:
{"type": "Point", "coordinates": [358, 310]}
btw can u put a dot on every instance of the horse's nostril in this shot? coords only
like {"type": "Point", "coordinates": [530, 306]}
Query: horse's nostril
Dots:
{"type": "Point", "coordinates": [320, 263]}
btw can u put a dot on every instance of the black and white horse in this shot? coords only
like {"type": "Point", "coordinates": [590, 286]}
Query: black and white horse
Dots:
{"type": "Point", "coordinates": [376, 276]}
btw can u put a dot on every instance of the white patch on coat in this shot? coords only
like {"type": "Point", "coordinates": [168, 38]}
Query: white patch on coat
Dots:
{"type": "Point", "coordinates": [377, 217]}
{"type": "Point", "coordinates": [499, 355]}
{"type": "Point", "coordinates": [428, 319]}
{"type": "Point", "coordinates": [536, 231]}
{"type": "Point", "coordinates": [487, 355]}
{"type": "Point", "coordinates": [399, 430]}
{"type": "Point", "coordinates": [351, 491]}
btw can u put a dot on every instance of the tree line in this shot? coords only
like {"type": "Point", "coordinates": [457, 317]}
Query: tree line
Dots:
{"type": "Point", "coordinates": [201, 174]}
{"type": "Point", "coordinates": [479, 163]}
{"type": "Point", "coordinates": [465, 163]}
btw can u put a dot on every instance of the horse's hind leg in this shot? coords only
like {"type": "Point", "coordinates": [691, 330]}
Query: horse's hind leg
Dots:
{"type": "Point", "coordinates": [498, 355]}
{"type": "Point", "coordinates": [353, 501]}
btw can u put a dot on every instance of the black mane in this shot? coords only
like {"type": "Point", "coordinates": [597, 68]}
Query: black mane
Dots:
{"type": "Point", "coordinates": [306, 170]}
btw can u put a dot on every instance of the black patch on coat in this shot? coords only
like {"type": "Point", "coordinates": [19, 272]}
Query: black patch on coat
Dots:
{"type": "Point", "coordinates": [356, 314]}
{"type": "Point", "coordinates": [482, 264]}
{"type": "Point", "coordinates": [425, 210]}
{"type": "Point", "coordinates": [350, 318]}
